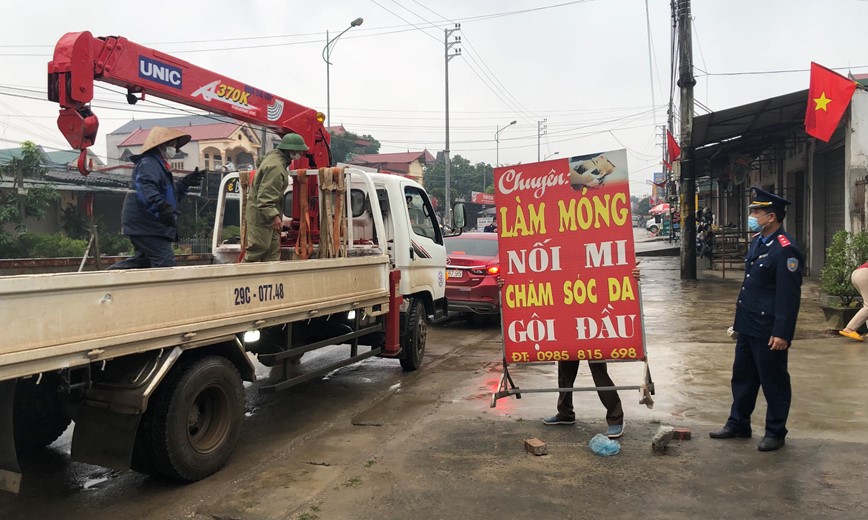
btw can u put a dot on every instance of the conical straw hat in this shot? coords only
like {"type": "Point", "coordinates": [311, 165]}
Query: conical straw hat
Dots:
{"type": "Point", "coordinates": [160, 135]}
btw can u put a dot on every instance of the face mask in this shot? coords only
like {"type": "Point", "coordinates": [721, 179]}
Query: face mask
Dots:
{"type": "Point", "coordinates": [167, 150]}
{"type": "Point", "coordinates": [754, 225]}
{"type": "Point", "coordinates": [295, 156]}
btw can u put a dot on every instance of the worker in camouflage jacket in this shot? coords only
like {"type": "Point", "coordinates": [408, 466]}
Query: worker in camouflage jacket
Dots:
{"type": "Point", "coordinates": [265, 210]}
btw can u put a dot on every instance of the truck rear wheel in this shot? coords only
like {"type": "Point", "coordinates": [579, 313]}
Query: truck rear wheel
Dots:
{"type": "Point", "coordinates": [414, 337]}
{"type": "Point", "coordinates": [193, 422]}
{"type": "Point", "coordinates": [38, 418]}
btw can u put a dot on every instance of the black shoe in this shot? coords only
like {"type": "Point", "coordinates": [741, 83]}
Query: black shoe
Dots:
{"type": "Point", "coordinates": [726, 433]}
{"type": "Point", "coordinates": [770, 444]}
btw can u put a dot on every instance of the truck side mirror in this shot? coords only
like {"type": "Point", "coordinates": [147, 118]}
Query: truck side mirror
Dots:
{"type": "Point", "coordinates": [458, 215]}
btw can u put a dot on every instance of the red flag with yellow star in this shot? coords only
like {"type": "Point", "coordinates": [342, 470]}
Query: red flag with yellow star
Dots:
{"type": "Point", "coordinates": [828, 97]}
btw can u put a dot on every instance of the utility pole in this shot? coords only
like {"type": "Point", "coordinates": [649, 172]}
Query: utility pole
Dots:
{"type": "Point", "coordinates": [540, 131]}
{"type": "Point", "coordinates": [666, 170]}
{"type": "Point", "coordinates": [686, 82]}
{"type": "Point", "coordinates": [448, 57]}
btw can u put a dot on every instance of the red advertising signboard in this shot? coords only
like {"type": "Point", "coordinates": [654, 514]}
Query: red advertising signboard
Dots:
{"type": "Point", "coordinates": [479, 197]}
{"type": "Point", "coordinates": [566, 257]}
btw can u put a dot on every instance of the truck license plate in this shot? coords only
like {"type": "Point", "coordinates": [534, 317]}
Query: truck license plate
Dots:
{"type": "Point", "coordinates": [454, 273]}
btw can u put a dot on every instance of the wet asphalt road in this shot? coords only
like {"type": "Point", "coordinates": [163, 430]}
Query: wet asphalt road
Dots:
{"type": "Point", "coordinates": [369, 441]}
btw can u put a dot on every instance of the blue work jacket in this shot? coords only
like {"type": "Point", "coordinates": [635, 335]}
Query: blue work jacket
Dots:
{"type": "Point", "coordinates": [151, 185]}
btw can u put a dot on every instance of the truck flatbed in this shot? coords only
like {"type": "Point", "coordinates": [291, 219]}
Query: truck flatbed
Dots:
{"type": "Point", "coordinates": [56, 321]}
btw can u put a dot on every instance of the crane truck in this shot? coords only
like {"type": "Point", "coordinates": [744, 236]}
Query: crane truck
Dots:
{"type": "Point", "coordinates": [149, 364]}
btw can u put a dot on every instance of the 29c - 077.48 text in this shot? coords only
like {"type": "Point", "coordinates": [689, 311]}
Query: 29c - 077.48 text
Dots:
{"type": "Point", "coordinates": [263, 293]}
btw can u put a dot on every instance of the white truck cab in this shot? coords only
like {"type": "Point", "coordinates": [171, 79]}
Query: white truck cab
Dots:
{"type": "Point", "coordinates": [390, 215]}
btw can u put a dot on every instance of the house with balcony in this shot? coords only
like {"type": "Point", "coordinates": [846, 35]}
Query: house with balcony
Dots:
{"type": "Point", "coordinates": [216, 142]}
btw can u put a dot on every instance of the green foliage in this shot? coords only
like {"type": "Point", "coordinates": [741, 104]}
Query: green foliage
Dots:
{"type": "Point", "coordinates": [347, 144]}
{"type": "Point", "coordinates": [114, 244]}
{"type": "Point", "coordinates": [643, 206]}
{"type": "Point", "coordinates": [231, 232]}
{"type": "Point", "coordinates": [464, 178]}
{"type": "Point", "coordinates": [847, 252]}
{"type": "Point", "coordinates": [16, 206]}
{"type": "Point", "coordinates": [76, 225]}
{"type": "Point", "coordinates": [38, 245]}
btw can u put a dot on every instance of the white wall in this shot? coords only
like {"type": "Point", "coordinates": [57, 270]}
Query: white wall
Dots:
{"type": "Point", "coordinates": [856, 148]}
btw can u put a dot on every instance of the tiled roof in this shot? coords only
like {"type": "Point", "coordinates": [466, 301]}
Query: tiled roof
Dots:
{"type": "Point", "coordinates": [197, 133]}
{"type": "Point", "coordinates": [71, 156]}
{"type": "Point", "coordinates": [10, 153]}
{"type": "Point", "coordinates": [171, 122]}
{"type": "Point", "coordinates": [393, 158]}
{"type": "Point", "coordinates": [49, 159]}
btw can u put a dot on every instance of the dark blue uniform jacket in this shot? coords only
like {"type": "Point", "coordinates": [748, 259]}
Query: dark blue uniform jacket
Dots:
{"type": "Point", "coordinates": [150, 186]}
{"type": "Point", "coordinates": [768, 302]}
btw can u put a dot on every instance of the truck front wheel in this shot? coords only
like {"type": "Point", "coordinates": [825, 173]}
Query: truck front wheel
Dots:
{"type": "Point", "coordinates": [194, 420]}
{"type": "Point", "coordinates": [414, 336]}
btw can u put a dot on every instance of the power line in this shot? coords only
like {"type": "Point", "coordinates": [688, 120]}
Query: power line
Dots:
{"type": "Point", "coordinates": [381, 32]}
{"type": "Point", "coordinates": [472, 114]}
{"type": "Point", "coordinates": [782, 71]}
{"type": "Point", "coordinates": [476, 70]}
{"type": "Point", "coordinates": [468, 19]}
{"type": "Point", "coordinates": [406, 20]}
{"type": "Point", "coordinates": [490, 74]}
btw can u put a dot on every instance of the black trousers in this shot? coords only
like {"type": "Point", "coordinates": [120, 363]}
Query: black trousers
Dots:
{"type": "Point", "coordinates": [756, 366]}
{"type": "Point", "coordinates": [150, 251]}
{"type": "Point", "coordinates": [567, 371]}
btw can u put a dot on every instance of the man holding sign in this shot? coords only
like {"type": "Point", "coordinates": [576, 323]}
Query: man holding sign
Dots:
{"type": "Point", "coordinates": [567, 256]}
{"type": "Point", "coordinates": [567, 372]}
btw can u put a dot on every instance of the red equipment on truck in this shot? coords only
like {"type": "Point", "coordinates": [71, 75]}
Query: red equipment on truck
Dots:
{"type": "Point", "coordinates": [80, 59]}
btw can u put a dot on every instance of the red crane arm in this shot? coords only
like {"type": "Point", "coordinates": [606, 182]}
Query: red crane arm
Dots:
{"type": "Point", "coordinates": [80, 59]}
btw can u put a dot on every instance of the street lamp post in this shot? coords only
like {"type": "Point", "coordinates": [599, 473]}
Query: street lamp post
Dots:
{"type": "Point", "coordinates": [497, 157]}
{"type": "Point", "coordinates": [497, 140]}
{"type": "Point", "coordinates": [326, 54]}
{"type": "Point", "coordinates": [550, 155]}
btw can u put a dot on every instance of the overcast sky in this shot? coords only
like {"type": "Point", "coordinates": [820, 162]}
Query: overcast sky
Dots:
{"type": "Point", "coordinates": [582, 65]}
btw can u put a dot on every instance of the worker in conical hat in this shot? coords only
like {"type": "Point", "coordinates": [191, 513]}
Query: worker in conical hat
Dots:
{"type": "Point", "coordinates": [150, 212]}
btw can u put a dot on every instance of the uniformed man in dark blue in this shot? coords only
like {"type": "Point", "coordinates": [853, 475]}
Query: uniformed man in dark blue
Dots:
{"type": "Point", "coordinates": [765, 320]}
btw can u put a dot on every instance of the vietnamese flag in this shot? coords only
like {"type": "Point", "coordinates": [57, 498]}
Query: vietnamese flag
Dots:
{"type": "Point", "coordinates": [672, 149]}
{"type": "Point", "coordinates": [828, 97]}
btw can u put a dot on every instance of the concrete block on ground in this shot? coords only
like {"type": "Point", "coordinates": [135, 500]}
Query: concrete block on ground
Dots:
{"type": "Point", "coordinates": [662, 438]}
{"type": "Point", "coordinates": [536, 446]}
{"type": "Point", "coordinates": [681, 434]}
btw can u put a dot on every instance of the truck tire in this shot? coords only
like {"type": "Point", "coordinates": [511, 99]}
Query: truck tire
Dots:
{"type": "Point", "coordinates": [414, 336]}
{"type": "Point", "coordinates": [193, 421]}
{"type": "Point", "coordinates": [38, 418]}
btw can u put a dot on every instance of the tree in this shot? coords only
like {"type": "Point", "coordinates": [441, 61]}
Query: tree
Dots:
{"type": "Point", "coordinates": [643, 206]}
{"type": "Point", "coordinates": [346, 144]}
{"type": "Point", "coordinates": [464, 178]}
{"type": "Point", "coordinates": [19, 203]}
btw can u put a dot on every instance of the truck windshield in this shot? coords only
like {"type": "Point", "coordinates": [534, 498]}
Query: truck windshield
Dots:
{"type": "Point", "coordinates": [421, 213]}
